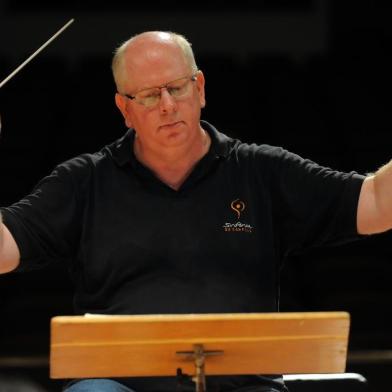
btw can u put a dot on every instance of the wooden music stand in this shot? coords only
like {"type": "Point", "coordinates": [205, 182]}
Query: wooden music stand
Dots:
{"type": "Point", "coordinates": [200, 344]}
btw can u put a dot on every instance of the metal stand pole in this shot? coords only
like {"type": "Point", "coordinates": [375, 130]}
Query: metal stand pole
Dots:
{"type": "Point", "coordinates": [198, 355]}
{"type": "Point", "coordinates": [200, 377]}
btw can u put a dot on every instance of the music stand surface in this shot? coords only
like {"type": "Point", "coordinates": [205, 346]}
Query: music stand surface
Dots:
{"type": "Point", "coordinates": [154, 345]}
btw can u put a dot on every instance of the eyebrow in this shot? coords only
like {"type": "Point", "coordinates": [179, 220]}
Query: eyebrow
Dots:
{"type": "Point", "coordinates": [161, 85]}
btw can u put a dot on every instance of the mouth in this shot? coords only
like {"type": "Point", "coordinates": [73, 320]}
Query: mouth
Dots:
{"type": "Point", "coordinates": [171, 125]}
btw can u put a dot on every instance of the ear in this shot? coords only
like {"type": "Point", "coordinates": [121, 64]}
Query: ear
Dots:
{"type": "Point", "coordinates": [200, 84]}
{"type": "Point", "coordinates": [121, 103]}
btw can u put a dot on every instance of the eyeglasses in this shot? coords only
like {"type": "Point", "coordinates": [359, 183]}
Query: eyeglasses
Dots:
{"type": "Point", "coordinates": [150, 97]}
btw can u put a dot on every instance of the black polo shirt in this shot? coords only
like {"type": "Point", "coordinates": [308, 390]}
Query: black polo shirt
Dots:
{"type": "Point", "coordinates": [136, 246]}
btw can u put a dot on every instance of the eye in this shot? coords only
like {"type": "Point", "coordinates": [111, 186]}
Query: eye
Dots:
{"type": "Point", "coordinates": [175, 90]}
{"type": "Point", "coordinates": [153, 93]}
{"type": "Point", "coordinates": [150, 100]}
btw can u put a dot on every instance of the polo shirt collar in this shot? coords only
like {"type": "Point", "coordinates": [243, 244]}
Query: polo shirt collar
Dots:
{"type": "Point", "coordinates": [122, 149]}
{"type": "Point", "coordinates": [220, 143]}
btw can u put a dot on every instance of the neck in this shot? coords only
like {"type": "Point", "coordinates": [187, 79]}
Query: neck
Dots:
{"type": "Point", "coordinates": [173, 165]}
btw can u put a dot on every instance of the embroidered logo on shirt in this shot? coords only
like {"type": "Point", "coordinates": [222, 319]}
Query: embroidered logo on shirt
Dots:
{"type": "Point", "coordinates": [238, 206]}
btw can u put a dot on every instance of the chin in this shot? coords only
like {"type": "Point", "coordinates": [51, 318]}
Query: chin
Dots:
{"type": "Point", "coordinates": [176, 139]}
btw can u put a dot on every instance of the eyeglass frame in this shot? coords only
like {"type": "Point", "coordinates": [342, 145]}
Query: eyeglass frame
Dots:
{"type": "Point", "coordinates": [192, 78]}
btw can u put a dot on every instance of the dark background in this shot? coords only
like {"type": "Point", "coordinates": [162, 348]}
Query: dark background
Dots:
{"type": "Point", "coordinates": [313, 76]}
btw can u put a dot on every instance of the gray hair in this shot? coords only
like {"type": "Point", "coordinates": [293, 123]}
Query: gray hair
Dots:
{"type": "Point", "coordinates": [118, 66]}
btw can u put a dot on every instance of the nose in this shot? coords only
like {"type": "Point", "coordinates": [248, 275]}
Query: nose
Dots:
{"type": "Point", "coordinates": [167, 103]}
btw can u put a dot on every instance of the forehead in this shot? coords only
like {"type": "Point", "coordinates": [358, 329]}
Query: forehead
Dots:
{"type": "Point", "coordinates": [151, 63]}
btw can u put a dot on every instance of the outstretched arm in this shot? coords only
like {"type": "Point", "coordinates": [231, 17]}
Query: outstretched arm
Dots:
{"type": "Point", "coordinates": [9, 252]}
{"type": "Point", "coordinates": [374, 213]}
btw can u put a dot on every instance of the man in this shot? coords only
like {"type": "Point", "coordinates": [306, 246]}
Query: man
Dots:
{"type": "Point", "coordinates": [175, 217]}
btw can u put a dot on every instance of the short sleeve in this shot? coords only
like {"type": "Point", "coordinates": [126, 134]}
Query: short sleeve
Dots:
{"type": "Point", "coordinates": [46, 224]}
{"type": "Point", "coordinates": [316, 206]}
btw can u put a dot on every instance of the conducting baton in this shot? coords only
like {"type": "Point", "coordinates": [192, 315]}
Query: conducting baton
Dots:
{"type": "Point", "coordinates": [54, 36]}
